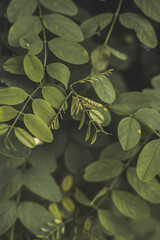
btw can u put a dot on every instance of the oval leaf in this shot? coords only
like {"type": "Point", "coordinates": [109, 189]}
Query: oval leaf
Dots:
{"type": "Point", "coordinates": [67, 183]}
{"type": "Point", "coordinates": [81, 198]}
{"type": "Point", "coordinates": [12, 96]}
{"type": "Point", "coordinates": [68, 51]}
{"type": "Point", "coordinates": [3, 128]}
{"type": "Point", "coordinates": [24, 137]}
{"type": "Point", "coordinates": [33, 43]}
{"type": "Point", "coordinates": [14, 65]}
{"type": "Point", "coordinates": [7, 113]}
{"type": "Point", "coordinates": [38, 128]}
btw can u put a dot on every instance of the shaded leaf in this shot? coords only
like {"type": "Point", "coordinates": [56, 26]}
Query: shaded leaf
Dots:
{"type": "Point", "coordinates": [81, 198]}
{"type": "Point", "coordinates": [12, 96]}
{"type": "Point", "coordinates": [24, 137]}
{"type": "Point", "coordinates": [101, 193]}
{"type": "Point", "coordinates": [68, 204]}
{"type": "Point", "coordinates": [154, 95]}
{"type": "Point", "coordinates": [155, 81]}
{"type": "Point", "coordinates": [32, 43]}
{"type": "Point", "coordinates": [53, 208]}
{"type": "Point", "coordinates": [9, 162]}
{"type": "Point", "coordinates": [14, 65]}
{"type": "Point", "coordinates": [7, 113]}
{"type": "Point", "coordinates": [3, 128]}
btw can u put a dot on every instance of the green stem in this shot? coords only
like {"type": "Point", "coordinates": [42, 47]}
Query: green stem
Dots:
{"type": "Point", "coordinates": [113, 23]}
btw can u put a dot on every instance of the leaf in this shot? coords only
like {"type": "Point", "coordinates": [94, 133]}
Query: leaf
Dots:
{"type": "Point", "coordinates": [118, 54]}
{"type": "Point", "coordinates": [10, 162]}
{"type": "Point", "coordinates": [7, 113]}
{"type": "Point", "coordinates": [150, 8]}
{"type": "Point", "coordinates": [40, 182]}
{"type": "Point", "coordinates": [43, 110]}
{"type": "Point", "coordinates": [103, 170]}
{"type": "Point", "coordinates": [94, 138]}
{"type": "Point", "coordinates": [8, 213]}
{"type": "Point", "coordinates": [154, 95]}
{"type": "Point", "coordinates": [24, 137]}
{"type": "Point", "coordinates": [3, 128]}
{"type": "Point", "coordinates": [68, 51]}
{"type": "Point", "coordinates": [14, 65]}
{"type": "Point", "coordinates": [66, 7]}
{"type": "Point", "coordinates": [38, 128]}
{"type": "Point", "coordinates": [130, 102]}
{"type": "Point", "coordinates": [77, 157]}
{"type": "Point", "coordinates": [149, 117]}
{"type": "Point", "coordinates": [12, 96]}
{"type": "Point", "coordinates": [23, 26]}
{"type": "Point", "coordinates": [33, 216]}
{"type": "Point", "coordinates": [113, 224]}
{"type": "Point", "coordinates": [106, 115]}
{"type": "Point", "coordinates": [53, 208]}
{"type": "Point", "coordinates": [10, 182]}
{"type": "Point", "coordinates": [150, 190]}
{"type": "Point", "coordinates": [148, 165]}
{"type": "Point", "coordinates": [68, 204]}
{"type": "Point", "coordinates": [143, 28]}
{"type": "Point", "coordinates": [82, 121]}
{"type": "Point", "coordinates": [130, 205]}
{"type": "Point", "coordinates": [54, 96]}
{"type": "Point", "coordinates": [101, 193]}
{"type": "Point", "coordinates": [33, 68]}
{"type": "Point", "coordinates": [67, 183]}
{"type": "Point", "coordinates": [32, 43]}
{"type": "Point", "coordinates": [63, 27]}
{"type": "Point", "coordinates": [155, 81]}
{"type": "Point", "coordinates": [104, 89]}
{"type": "Point", "coordinates": [60, 72]}
{"type": "Point", "coordinates": [96, 24]}
{"type": "Point", "coordinates": [88, 132]}
{"type": "Point", "coordinates": [81, 198]}
{"type": "Point", "coordinates": [96, 116]}
{"type": "Point", "coordinates": [129, 133]}
{"type": "Point", "coordinates": [20, 8]}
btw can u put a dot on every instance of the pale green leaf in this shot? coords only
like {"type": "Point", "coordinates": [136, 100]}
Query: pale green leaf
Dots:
{"type": "Point", "coordinates": [33, 68]}
{"type": "Point", "coordinates": [67, 183]}
{"type": "Point", "coordinates": [7, 113]}
{"type": "Point", "coordinates": [148, 165]}
{"type": "Point", "coordinates": [12, 96]}
{"type": "Point", "coordinates": [43, 110]}
{"type": "Point", "coordinates": [150, 8]}
{"type": "Point", "coordinates": [106, 115]}
{"type": "Point", "coordinates": [150, 190]}
{"type": "Point", "coordinates": [149, 117]}
{"type": "Point", "coordinates": [130, 205]}
{"type": "Point", "coordinates": [81, 198]}
{"type": "Point", "coordinates": [53, 208]}
{"type": "Point", "coordinates": [3, 128]}
{"type": "Point", "coordinates": [68, 204]}
{"type": "Point", "coordinates": [130, 102]}
{"type": "Point", "coordinates": [143, 28]}
{"type": "Point", "coordinates": [129, 133]}
{"type": "Point", "coordinates": [96, 116]}
{"type": "Point", "coordinates": [15, 65]}
{"type": "Point", "coordinates": [32, 43]}
{"type": "Point", "coordinates": [117, 53]}
{"type": "Point", "coordinates": [38, 128]}
{"type": "Point", "coordinates": [63, 27]}
{"type": "Point", "coordinates": [34, 216]}
{"type": "Point", "coordinates": [20, 8]}
{"type": "Point", "coordinates": [24, 137]}
{"type": "Point", "coordinates": [24, 26]}
{"type": "Point", "coordinates": [8, 213]}
{"type": "Point", "coordinates": [53, 95]}
{"type": "Point", "coordinates": [66, 7]}
{"type": "Point", "coordinates": [60, 72]}
{"type": "Point", "coordinates": [68, 51]}
{"type": "Point", "coordinates": [42, 183]}
{"type": "Point", "coordinates": [104, 89]}
{"type": "Point", "coordinates": [100, 194]}
{"type": "Point", "coordinates": [103, 170]}
{"type": "Point", "coordinates": [96, 24]}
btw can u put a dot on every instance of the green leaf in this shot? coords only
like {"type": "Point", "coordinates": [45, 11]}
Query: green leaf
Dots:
{"type": "Point", "coordinates": [24, 137]}
{"type": "Point", "coordinates": [8, 213]}
{"type": "Point", "coordinates": [73, 157]}
{"type": "Point", "coordinates": [33, 216]}
{"type": "Point", "coordinates": [129, 133]}
{"type": "Point", "coordinates": [3, 128]}
{"type": "Point", "coordinates": [143, 28]}
{"type": "Point", "coordinates": [148, 165]}
{"type": "Point", "coordinates": [149, 117]}
{"type": "Point", "coordinates": [54, 96]}
{"type": "Point", "coordinates": [7, 113]}
{"type": "Point", "coordinates": [40, 182]}
{"type": "Point", "coordinates": [96, 24]}
{"type": "Point", "coordinates": [155, 81]}
{"type": "Point", "coordinates": [20, 8]}
{"type": "Point", "coordinates": [53, 208]}
{"type": "Point", "coordinates": [104, 89]}
{"type": "Point", "coordinates": [100, 194]}
{"type": "Point", "coordinates": [103, 170]}
{"type": "Point", "coordinates": [60, 72]}
{"type": "Point", "coordinates": [33, 68]}
{"type": "Point", "coordinates": [43, 110]}
{"type": "Point", "coordinates": [32, 43]}
{"type": "Point", "coordinates": [130, 102]}
{"type": "Point", "coordinates": [130, 205]}
{"type": "Point", "coordinates": [96, 116]}
{"type": "Point", "coordinates": [113, 224]}
{"type": "Point", "coordinates": [81, 198]}
{"type": "Point", "coordinates": [12, 96]}
{"type": "Point", "coordinates": [66, 7]}
{"type": "Point", "coordinates": [67, 183]}
{"type": "Point", "coordinates": [117, 53]}
{"type": "Point", "coordinates": [38, 128]}
{"type": "Point", "coordinates": [68, 204]}
{"type": "Point", "coordinates": [150, 190]}
{"type": "Point", "coordinates": [68, 51]}
{"type": "Point", "coordinates": [10, 182]}
{"type": "Point", "coordinates": [9, 162]}
{"type": "Point", "coordinates": [22, 27]}
{"type": "Point", "coordinates": [154, 95]}
{"type": "Point", "coordinates": [63, 27]}
{"type": "Point", "coordinates": [14, 65]}
{"type": "Point", "coordinates": [106, 115]}
{"type": "Point", "coordinates": [150, 8]}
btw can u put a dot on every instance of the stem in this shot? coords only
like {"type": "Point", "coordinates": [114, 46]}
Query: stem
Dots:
{"type": "Point", "coordinates": [113, 23]}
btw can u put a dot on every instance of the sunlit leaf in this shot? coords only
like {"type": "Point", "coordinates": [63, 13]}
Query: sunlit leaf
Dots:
{"type": "Point", "coordinates": [67, 183]}
{"type": "Point", "coordinates": [68, 204]}
{"type": "Point", "coordinates": [12, 96]}
{"type": "Point", "coordinates": [7, 113]}
{"type": "Point", "coordinates": [3, 128]}
{"type": "Point", "coordinates": [96, 116]}
{"type": "Point", "coordinates": [14, 65]}
{"type": "Point", "coordinates": [24, 137]}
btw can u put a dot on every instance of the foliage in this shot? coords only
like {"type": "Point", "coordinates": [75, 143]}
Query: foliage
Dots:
{"type": "Point", "coordinates": [79, 145]}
